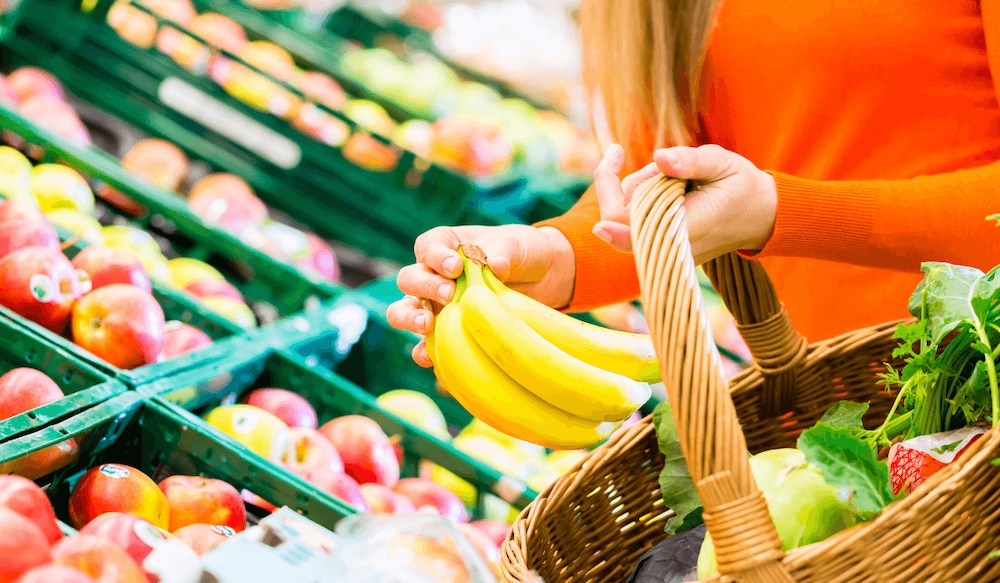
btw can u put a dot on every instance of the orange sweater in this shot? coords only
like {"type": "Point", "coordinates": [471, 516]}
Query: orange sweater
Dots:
{"type": "Point", "coordinates": [879, 120]}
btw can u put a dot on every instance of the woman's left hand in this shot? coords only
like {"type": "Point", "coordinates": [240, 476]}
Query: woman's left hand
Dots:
{"type": "Point", "coordinates": [730, 205]}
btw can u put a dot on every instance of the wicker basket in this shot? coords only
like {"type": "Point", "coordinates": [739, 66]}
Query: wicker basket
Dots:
{"type": "Point", "coordinates": [595, 522]}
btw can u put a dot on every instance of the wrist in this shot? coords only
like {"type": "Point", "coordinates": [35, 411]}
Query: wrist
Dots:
{"type": "Point", "coordinates": [560, 275]}
{"type": "Point", "coordinates": [766, 212]}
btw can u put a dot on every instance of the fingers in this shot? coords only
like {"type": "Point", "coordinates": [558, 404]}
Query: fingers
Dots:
{"type": "Point", "coordinates": [608, 185]}
{"type": "Point", "coordinates": [437, 249]}
{"type": "Point", "coordinates": [617, 235]}
{"type": "Point", "coordinates": [420, 355]}
{"type": "Point", "coordinates": [409, 314]}
{"type": "Point", "coordinates": [419, 281]}
{"type": "Point", "coordinates": [702, 164]}
{"type": "Point", "coordinates": [632, 181]}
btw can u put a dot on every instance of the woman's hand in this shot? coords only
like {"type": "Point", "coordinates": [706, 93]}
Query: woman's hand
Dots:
{"type": "Point", "coordinates": [730, 205]}
{"type": "Point", "coordinates": [538, 262]}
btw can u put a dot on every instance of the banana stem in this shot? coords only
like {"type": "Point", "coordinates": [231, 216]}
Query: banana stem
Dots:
{"type": "Point", "coordinates": [474, 253]}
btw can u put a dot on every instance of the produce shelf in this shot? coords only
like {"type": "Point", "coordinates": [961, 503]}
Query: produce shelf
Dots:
{"type": "Point", "coordinates": [83, 384]}
{"type": "Point", "coordinates": [309, 180]}
{"type": "Point", "coordinates": [161, 440]}
{"type": "Point", "coordinates": [199, 390]}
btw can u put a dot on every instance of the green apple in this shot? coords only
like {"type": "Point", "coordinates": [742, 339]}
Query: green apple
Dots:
{"type": "Point", "coordinates": [418, 409]}
{"type": "Point", "coordinates": [260, 431]}
{"type": "Point", "coordinates": [15, 174]}
{"type": "Point", "coordinates": [75, 222]}
{"type": "Point", "coordinates": [60, 187]}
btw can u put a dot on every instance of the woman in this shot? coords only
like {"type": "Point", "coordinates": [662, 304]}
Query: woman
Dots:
{"type": "Point", "coordinates": [876, 121]}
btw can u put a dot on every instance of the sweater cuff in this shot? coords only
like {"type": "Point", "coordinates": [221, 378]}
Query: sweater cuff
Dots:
{"type": "Point", "coordinates": [603, 275]}
{"type": "Point", "coordinates": [834, 216]}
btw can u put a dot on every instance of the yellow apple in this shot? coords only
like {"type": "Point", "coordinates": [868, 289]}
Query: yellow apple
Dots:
{"type": "Point", "coordinates": [15, 174]}
{"type": "Point", "coordinates": [75, 222]}
{"type": "Point", "coordinates": [260, 431]}
{"type": "Point", "coordinates": [232, 310]}
{"type": "Point", "coordinates": [418, 409]}
{"type": "Point", "coordinates": [184, 271]}
{"type": "Point", "coordinates": [143, 246]}
{"type": "Point", "coordinates": [60, 187]}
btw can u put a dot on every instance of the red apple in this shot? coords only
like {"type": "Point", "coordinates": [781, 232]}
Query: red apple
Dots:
{"type": "Point", "coordinates": [286, 405]}
{"type": "Point", "coordinates": [425, 493]}
{"type": "Point", "coordinates": [23, 389]}
{"type": "Point", "coordinates": [140, 539]}
{"type": "Point", "coordinates": [219, 31]}
{"type": "Point", "coordinates": [99, 558]}
{"type": "Point", "coordinates": [384, 500]}
{"type": "Point", "coordinates": [27, 499]}
{"type": "Point", "coordinates": [22, 224]}
{"type": "Point", "coordinates": [41, 285]}
{"type": "Point", "coordinates": [366, 450]}
{"type": "Point", "coordinates": [204, 537]}
{"type": "Point", "coordinates": [19, 211]}
{"type": "Point", "coordinates": [219, 182]}
{"type": "Point", "coordinates": [121, 324]}
{"type": "Point", "coordinates": [158, 162]}
{"type": "Point", "coordinates": [194, 499]}
{"type": "Point", "coordinates": [322, 259]}
{"type": "Point", "coordinates": [207, 288]}
{"type": "Point", "coordinates": [56, 116]}
{"type": "Point", "coordinates": [255, 500]}
{"type": "Point", "coordinates": [496, 530]}
{"type": "Point", "coordinates": [22, 545]}
{"type": "Point", "coordinates": [232, 210]}
{"type": "Point", "coordinates": [180, 338]}
{"type": "Point", "coordinates": [44, 461]}
{"type": "Point", "coordinates": [341, 486]}
{"type": "Point", "coordinates": [117, 488]}
{"type": "Point", "coordinates": [323, 89]}
{"type": "Point", "coordinates": [106, 265]}
{"type": "Point", "coordinates": [8, 96]}
{"type": "Point", "coordinates": [28, 82]}
{"type": "Point", "coordinates": [53, 573]}
{"type": "Point", "coordinates": [310, 449]}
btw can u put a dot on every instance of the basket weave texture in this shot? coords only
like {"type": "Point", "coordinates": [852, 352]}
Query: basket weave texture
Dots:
{"type": "Point", "coordinates": [594, 523]}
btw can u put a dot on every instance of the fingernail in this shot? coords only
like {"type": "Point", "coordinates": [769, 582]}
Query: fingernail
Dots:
{"type": "Point", "coordinates": [602, 235]}
{"type": "Point", "coordinates": [673, 158]}
{"type": "Point", "coordinates": [420, 322]}
{"type": "Point", "coordinates": [449, 264]}
{"type": "Point", "coordinates": [444, 292]}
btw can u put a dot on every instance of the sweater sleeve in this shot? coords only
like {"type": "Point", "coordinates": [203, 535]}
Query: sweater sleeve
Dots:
{"type": "Point", "coordinates": [603, 275]}
{"type": "Point", "coordinates": [895, 224]}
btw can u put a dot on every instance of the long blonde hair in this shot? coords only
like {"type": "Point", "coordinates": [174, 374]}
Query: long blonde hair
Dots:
{"type": "Point", "coordinates": [642, 59]}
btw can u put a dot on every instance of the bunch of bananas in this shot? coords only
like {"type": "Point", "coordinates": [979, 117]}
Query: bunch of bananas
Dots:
{"type": "Point", "coordinates": [533, 372]}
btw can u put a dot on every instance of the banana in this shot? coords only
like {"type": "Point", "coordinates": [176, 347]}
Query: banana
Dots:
{"type": "Point", "coordinates": [536, 364]}
{"type": "Point", "coordinates": [493, 397]}
{"type": "Point", "coordinates": [625, 353]}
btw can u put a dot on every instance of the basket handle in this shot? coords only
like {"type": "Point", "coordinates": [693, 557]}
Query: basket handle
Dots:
{"type": "Point", "coordinates": [711, 437]}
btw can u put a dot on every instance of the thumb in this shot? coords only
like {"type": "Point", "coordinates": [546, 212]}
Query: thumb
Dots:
{"type": "Point", "coordinates": [702, 164]}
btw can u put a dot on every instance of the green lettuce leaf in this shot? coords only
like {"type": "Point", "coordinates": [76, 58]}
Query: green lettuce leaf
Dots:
{"type": "Point", "coordinates": [676, 486]}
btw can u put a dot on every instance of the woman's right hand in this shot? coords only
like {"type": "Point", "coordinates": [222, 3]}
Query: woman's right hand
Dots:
{"type": "Point", "coordinates": [538, 262]}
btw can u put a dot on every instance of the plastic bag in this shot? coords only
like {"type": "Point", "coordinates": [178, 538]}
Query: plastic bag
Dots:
{"type": "Point", "coordinates": [404, 548]}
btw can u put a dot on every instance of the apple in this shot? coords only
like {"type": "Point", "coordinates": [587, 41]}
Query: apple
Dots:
{"type": "Point", "coordinates": [217, 30]}
{"type": "Point", "coordinates": [261, 432]}
{"type": "Point", "coordinates": [487, 550]}
{"type": "Point", "coordinates": [105, 266]}
{"type": "Point", "coordinates": [98, 558]}
{"type": "Point", "coordinates": [60, 187]}
{"type": "Point", "coordinates": [323, 89]}
{"type": "Point", "coordinates": [158, 162]}
{"type": "Point", "coordinates": [320, 125]}
{"type": "Point", "coordinates": [77, 224]}
{"type": "Point", "coordinates": [41, 285]}
{"type": "Point", "coordinates": [156, 552]}
{"type": "Point", "coordinates": [23, 389]}
{"type": "Point", "coordinates": [369, 153]}
{"type": "Point", "coordinates": [219, 182]}
{"type": "Point", "coordinates": [203, 537]}
{"type": "Point", "coordinates": [311, 450]}
{"type": "Point", "coordinates": [255, 500]}
{"type": "Point", "coordinates": [8, 96]}
{"type": "Point", "coordinates": [142, 245]}
{"type": "Point", "coordinates": [495, 530]}
{"type": "Point", "coordinates": [207, 288]}
{"type": "Point", "coordinates": [117, 488]}
{"type": "Point", "coordinates": [180, 338]}
{"type": "Point", "coordinates": [415, 135]}
{"type": "Point", "coordinates": [425, 493]}
{"type": "Point", "coordinates": [194, 499]}
{"type": "Point", "coordinates": [416, 408]}
{"type": "Point", "coordinates": [221, 31]}
{"type": "Point", "coordinates": [384, 500]}
{"type": "Point", "coordinates": [233, 310]}
{"type": "Point", "coordinates": [232, 210]}
{"type": "Point", "coordinates": [284, 241]}
{"type": "Point", "coordinates": [56, 116]}
{"type": "Point", "coordinates": [321, 259]}
{"type": "Point", "coordinates": [366, 450]}
{"type": "Point", "coordinates": [121, 324]}
{"type": "Point", "coordinates": [185, 271]}
{"type": "Point", "coordinates": [44, 461]}
{"type": "Point", "coordinates": [290, 407]}
{"type": "Point", "coordinates": [52, 573]}
{"type": "Point", "coordinates": [370, 116]}
{"type": "Point", "coordinates": [27, 499]}
{"type": "Point", "coordinates": [15, 174]}
{"type": "Point", "coordinates": [256, 90]}
{"type": "Point", "coordinates": [471, 146]}
{"type": "Point", "coordinates": [132, 24]}
{"type": "Point", "coordinates": [339, 485]}
{"type": "Point", "coordinates": [22, 545]}
{"type": "Point", "coordinates": [27, 82]}
{"type": "Point", "coordinates": [22, 224]}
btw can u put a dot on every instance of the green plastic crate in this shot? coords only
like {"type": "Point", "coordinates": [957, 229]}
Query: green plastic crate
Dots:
{"type": "Point", "coordinates": [308, 180]}
{"type": "Point", "coordinates": [202, 389]}
{"type": "Point", "coordinates": [272, 289]}
{"type": "Point", "coordinates": [83, 385]}
{"type": "Point", "coordinates": [10, 17]}
{"type": "Point", "coordinates": [161, 440]}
